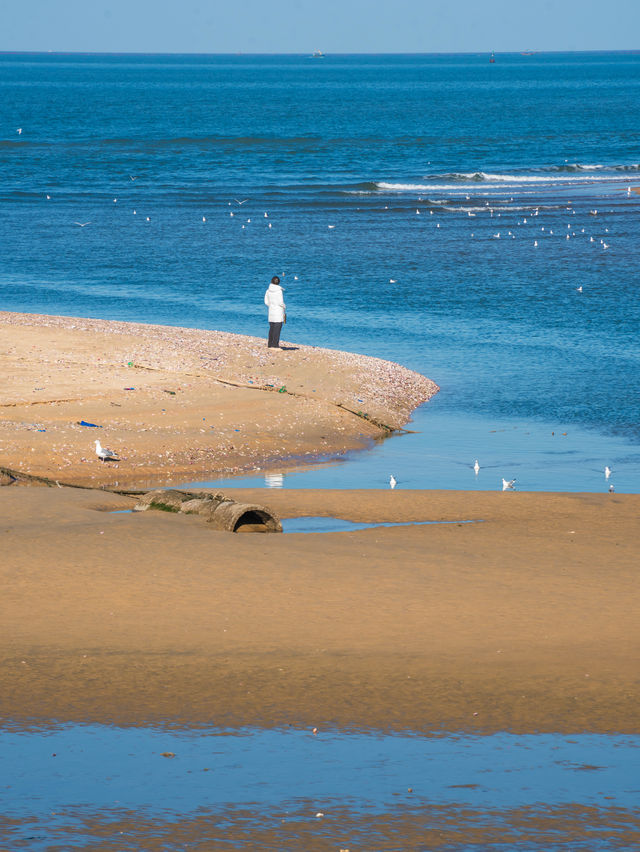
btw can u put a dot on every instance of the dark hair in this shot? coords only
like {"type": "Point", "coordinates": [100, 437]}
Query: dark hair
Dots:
{"type": "Point", "coordinates": [275, 280]}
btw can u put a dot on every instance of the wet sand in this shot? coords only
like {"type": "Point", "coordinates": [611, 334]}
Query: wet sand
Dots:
{"type": "Point", "coordinates": [527, 621]}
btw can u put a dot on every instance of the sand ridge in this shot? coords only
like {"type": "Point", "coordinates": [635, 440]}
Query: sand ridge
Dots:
{"type": "Point", "coordinates": [178, 403]}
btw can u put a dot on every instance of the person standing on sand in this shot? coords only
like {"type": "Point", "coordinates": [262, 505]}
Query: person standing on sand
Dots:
{"type": "Point", "coordinates": [274, 300]}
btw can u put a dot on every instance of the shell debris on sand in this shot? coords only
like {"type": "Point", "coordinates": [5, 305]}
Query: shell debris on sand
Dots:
{"type": "Point", "coordinates": [160, 391]}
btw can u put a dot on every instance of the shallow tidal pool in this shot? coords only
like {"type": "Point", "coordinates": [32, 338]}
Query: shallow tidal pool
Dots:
{"type": "Point", "coordinates": [104, 787]}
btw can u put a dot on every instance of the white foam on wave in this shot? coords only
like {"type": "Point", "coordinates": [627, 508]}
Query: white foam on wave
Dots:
{"type": "Point", "coordinates": [486, 208]}
{"type": "Point", "coordinates": [501, 182]}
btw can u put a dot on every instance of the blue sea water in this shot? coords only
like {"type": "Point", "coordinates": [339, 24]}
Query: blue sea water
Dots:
{"type": "Point", "coordinates": [469, 201]}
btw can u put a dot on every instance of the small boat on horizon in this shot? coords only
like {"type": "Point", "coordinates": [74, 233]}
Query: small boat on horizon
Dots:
{"type": "Point", "coordinates": [317, 54]}
{"type": "Point", "coordinates": [492, 58]}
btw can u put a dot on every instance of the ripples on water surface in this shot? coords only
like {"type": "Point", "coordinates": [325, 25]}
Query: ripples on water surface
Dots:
{"type": "Point", "coordinates": [146, 788]}
{"type": "Point", "coordinates": [526, 149]}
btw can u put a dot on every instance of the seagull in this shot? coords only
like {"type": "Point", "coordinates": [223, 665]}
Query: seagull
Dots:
{"type": "Point", "coordinates": [104, 454]}
{"type": "Point", "coordinates": [393, 281]}
{"type": "Point", "coordinates": [133, 178]}
{"type": "Point", "coordinates": [231, 214]}
{"type": "Point", "coordinates": [507, 485]}
{"type": "Point", "coordinates": [269, 224]}
{"type": "Point", "coordinates": [330, 227]}
{"type": "Point", "coordinates": [605, 246]}
{"type": "Point", "coordinates": [579, 289]}
{"type": "Point", "coordinates": [607, 472]}
{"type": "Point", "coordinates": [18, 130]}
{"type": "Point", "coordinates": [115, 200]}
{"type": "Point", "coordinates": [240, 203]}
{"type": "Point", "coordinates": [265, 216]}
{"type": "Point", "coordinates": [48, 197]}
{"type": "Point", "coordinates": [476, 467]}
{"type": "Point", "coordinates": [611, 489]}
{"type": "Point", "coordinates": [204, 218]}
{"type": "Point", "coordinates": [417, 212]}
{"type": "Point", "coordinates": [392, 482]}
{"type": "Point", "coordinates": [82, 224]}
{"type": "Point", "coordinates": [148, 218]}
{"type": "Point", "coordinates": [535, 244]}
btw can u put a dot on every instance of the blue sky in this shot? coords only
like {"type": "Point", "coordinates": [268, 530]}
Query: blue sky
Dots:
{"type": "Point", "coordinates": [334, 26]}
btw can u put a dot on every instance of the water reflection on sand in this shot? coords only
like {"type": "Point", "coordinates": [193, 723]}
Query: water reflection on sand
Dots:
{"type": "Point", "coordinates": [138, 788]}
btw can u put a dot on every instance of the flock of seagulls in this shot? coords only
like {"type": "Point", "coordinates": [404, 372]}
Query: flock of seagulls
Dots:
{"type": "Point", "coordinates": [507, 484]}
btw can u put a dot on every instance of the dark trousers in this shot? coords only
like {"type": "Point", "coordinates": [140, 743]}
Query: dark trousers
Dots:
{"type": "Point", "coordinates": [274, 334]}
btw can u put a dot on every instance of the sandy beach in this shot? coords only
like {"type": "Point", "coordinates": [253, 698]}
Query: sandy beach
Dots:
{"type": "Point", "coordinates": [178, 404]}
{"type": "Point", "coordinates": [525, 619]}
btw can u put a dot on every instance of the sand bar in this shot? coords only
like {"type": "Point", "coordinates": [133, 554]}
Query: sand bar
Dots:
{"type": "Point", "coordinates": [178, 403]}
{"type": "Point", "coordinates": [526, 621]}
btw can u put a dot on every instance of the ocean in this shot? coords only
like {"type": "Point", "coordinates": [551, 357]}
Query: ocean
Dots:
{"type": "Point", "coordinates": [473, 221]}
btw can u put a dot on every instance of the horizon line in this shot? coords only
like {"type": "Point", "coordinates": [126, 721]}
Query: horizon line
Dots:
{"type": "Point", "coordinates": [520, 52]}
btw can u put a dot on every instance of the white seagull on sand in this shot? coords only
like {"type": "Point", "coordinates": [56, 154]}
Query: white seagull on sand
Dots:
{"type": "Point", "coordinates": [508, 485]}
{"type": "Point", "coordinates": [392, 481]}
{"type": "Point", "coordinates": [105, 454]}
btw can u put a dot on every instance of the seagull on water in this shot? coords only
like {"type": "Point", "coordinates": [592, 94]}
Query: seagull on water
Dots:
{"type": "Point", "coordinates": [392, 482]}
{"type": "Point", "coordinates": [579, 289]}
{"type": "Point", "coordinates": [18, 130]}
{"type": "Point", "coordinates": [330, 227]}
{"type": "Point", "coordinates": [240, 203]}
{"type": "Point", "coordinates": [476, 467]}
{"type": "Point", "coordinates": [507, 485]}
{"type": "Point", "coordinates": [82, 224]}
{"type": "Point", "coordinates": [105, 454]}
{"type": "Point", "coordinates": [607, 472]}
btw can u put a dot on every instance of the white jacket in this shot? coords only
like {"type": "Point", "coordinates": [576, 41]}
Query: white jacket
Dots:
{"type": "Point", "coordinates": [274, 300]}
